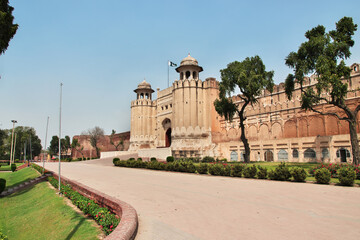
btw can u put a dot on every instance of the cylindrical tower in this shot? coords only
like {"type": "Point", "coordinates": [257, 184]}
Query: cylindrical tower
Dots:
{"type": "Point", "coordinates": [191, 129]}
{"type": "Point", "coordinates": [142, 118]}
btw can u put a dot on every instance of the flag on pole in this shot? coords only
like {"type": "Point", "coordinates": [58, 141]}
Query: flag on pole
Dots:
{"type": "Point", "coordinates": [171, 64]}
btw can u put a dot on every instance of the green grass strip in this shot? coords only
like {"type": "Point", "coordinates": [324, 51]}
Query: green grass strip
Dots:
{"type": "Point", "coordinates": [18, 177]}
{"type": "Point", "coordinates": [38, 213]}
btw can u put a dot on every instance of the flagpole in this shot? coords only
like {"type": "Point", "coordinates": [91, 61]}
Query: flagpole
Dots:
{"type": "Point", "coordinates": [168, 72]}
{"type": "Point", "coordinates": [60, 139]}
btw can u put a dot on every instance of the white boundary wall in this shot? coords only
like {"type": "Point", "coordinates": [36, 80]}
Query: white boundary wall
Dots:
{"type": "Point", "coordinates": [112, 154]}
{"type": "Point", "coordinates": [158, 153]}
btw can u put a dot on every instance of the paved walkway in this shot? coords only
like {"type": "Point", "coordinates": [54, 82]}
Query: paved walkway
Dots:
{"type": "Point", "coordinates": [189, 206]}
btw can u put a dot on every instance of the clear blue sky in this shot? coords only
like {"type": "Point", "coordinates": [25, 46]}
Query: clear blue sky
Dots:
{"type": "Point", "coordinates": [101, 50]}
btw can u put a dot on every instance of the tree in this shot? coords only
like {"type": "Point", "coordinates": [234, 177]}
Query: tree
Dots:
{"type": "Point", "coordinates": [77, 147]}
{"type": "Point", "coordinates": [54, 145]}
{"type": "Point", "coordinates": [323, 55]}
{"type": "Point", "coordinates": [120, 143]}
{"type": "Point", "coordinates": [95, 134]}
{"type": "Point", "coordinates": [3, 148]}
{"type": "Point", "coordinates": [26, 137]}
{"type": "Point", "coordinates": [65, 144]}
{"type": "Point", "coordinates": [250, 77]}
{"type": "Point", "coordinates": [7, 28]}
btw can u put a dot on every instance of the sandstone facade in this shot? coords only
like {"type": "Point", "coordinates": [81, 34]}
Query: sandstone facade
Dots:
{"type": "Point", "coordinates": [184, 119]}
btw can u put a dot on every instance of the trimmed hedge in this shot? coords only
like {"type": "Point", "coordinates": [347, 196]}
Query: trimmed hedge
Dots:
{"type": "Point", "coordinates": [299, 174]}
{"type": "Point", "coordinates": [262, 172]}
{"type": "Point", "coordinates": [13, 167]}
{"type": "Point", "coordinates": [170, 159]}
{"type": "Point", "coordinates": [202, 168]}
{"type": "Point", "coordinates": [280, 173]}
{"type": "Point", "coordinates": [346, 176]}
{"type": "Point", "coordinates": [237, 170]}
{"type": "Point", "coordinates": [250, 171]}
{"type": "Point", "coordinates": [322, 176]}
{"type": "Point", "coordinates": [2, 184]}
{"type": "Point", "coordinates": [208, 159]}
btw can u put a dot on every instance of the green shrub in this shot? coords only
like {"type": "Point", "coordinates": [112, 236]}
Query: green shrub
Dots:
{"type": "Point", "coordinates": [115, 160]}
{"type": "Point", "coordinates": [227, 170]}
{"type": "Point", "coordinates": [202, 168]}
{"type": "Point", "coordinates": [131, 158]}
{"type": "Point", "coordinates": [250, 171]}
{"type": "Point", "coordinates": [139, 159]}
{"type": "Point", "coordinates": [153, 159]}
{"type": "Point", "coordinates": [121, 163]}
{"type": "Point", "coordinates": [208, 159]}
{"type": "Point", "coordinates": [299, 174]}
{"type": "Point", "coordinates": [156, 165]}
{"type": "Point", "coordinates": [2, 184]}
{"type": "Point", "coordinates": [262, 172]}
{"type": "Point", "coordinates": [280, 173]}
{"type": "Point", "coordinates": [346, 176]}
{"type": "Point", "coordinates": [216, 169]}
{"type": "Point", "coordinates": [170, 159]}
{"type": "Point", "coordinates": [13, 167]}
{"type": "Point", "coordinates": [322, 176]}
{"type": "Point", "coordinates": [237, 170]}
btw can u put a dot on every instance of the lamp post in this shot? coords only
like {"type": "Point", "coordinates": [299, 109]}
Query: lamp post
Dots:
{"type": "Point", "coordinates": [13, 158]}
{"type": "Point", "coordinates": [60, 136]}
{"type": "Point", "coordinates": [12, 139]}
{"type": "Point", "coordinates": [47, 126]}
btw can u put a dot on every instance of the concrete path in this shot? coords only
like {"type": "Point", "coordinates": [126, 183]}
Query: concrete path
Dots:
{"type": "Point", "coordinates": [189, 206]}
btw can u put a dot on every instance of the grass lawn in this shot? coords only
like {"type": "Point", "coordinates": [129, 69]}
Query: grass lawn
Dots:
{"type": "Point", "coordinates": [17, 177]}
{"type": "Point", "coordinates": [39, 213]}
{"type": "Point", "coordinates": [7, 167]}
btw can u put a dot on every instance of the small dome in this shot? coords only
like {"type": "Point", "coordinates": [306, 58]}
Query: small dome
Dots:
{"type": "Point", "coordinates": [189, 60]}
{"type": "Point", "coordinates": [145, 85]}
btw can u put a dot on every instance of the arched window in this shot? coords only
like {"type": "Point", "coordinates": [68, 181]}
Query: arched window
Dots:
{"type": "Point", "coordinates": [310, 153]}
{"type": "Point", "coordinates": [233, 156]}
{"type": "Point", "coordinates": [187, 75]}
{"type": "Point", "coordinates": [268, 156]}
{"type": "Point", "coordinates": [141, 96]}
{"type": "Point", "coordinates": [295, 153]}
{"type": "Point", "coordinates": [282, 155]}
{"type": "Point", "coordinates": [325, 153]}
{"type": "Point", "coordinates": [147, 96]}
{"type": "Point", "coordinates": [343, 154]}
{"type": "Point", "coordinates": [194, 75]}
{"type": "Point", "coordinates": [242, 158]}
{"type": "Point", "coordinates": [181, 76]}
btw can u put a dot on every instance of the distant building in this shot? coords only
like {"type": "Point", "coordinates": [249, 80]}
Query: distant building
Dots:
{"type": "Point", "coordinates": [104, 144]}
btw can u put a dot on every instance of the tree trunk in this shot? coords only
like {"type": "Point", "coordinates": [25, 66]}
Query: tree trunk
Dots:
{"type": "Point", "coordinates": [243, 137]}
{"type": "Point", "coordinates": [97, 152]}
{"type": "Point", "coordinates": [354, 140]}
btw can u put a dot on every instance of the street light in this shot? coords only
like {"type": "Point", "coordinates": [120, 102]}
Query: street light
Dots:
{"type": "Point", "coordinates": [12, 140]}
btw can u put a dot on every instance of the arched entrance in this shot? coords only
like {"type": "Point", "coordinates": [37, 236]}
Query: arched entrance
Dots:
{"type": "Point", "coordinates": [269, 156]}
{"type": "Point", "coordinates": [168, 138]}
{"type": "Point", "coordinates": [166, 124]}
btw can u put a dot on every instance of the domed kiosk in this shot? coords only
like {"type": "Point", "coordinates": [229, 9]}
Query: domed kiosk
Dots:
{"type": "Point", "coordinates": [189, 68]}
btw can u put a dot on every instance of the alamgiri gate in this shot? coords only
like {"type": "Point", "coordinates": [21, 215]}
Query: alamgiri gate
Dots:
{"type": "Point", "coordinates": [182, 122]}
